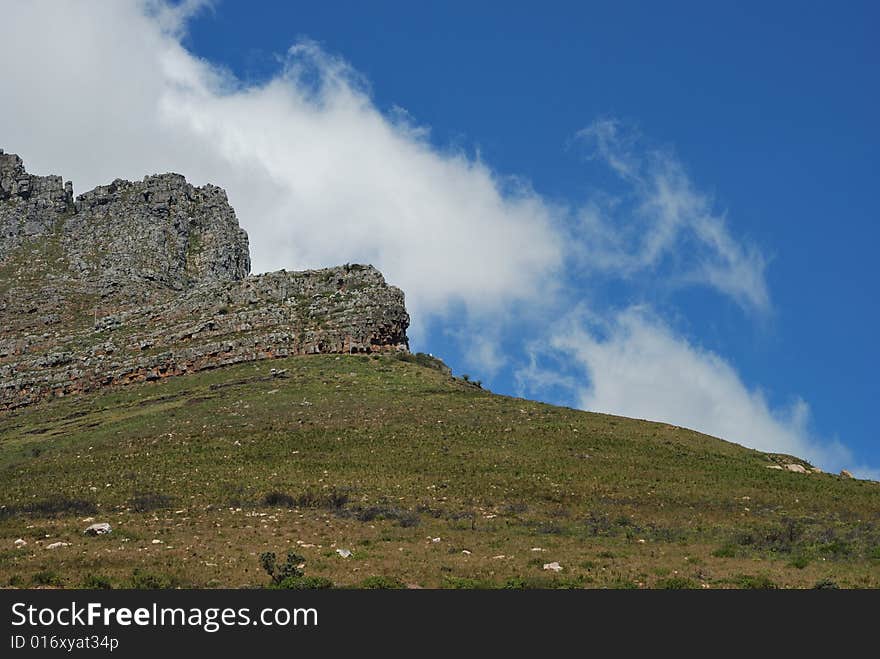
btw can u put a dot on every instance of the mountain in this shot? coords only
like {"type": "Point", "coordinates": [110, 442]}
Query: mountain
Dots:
{"type": "Point", "coordinates": [140, 281]}
{"type": "Point", "coordinates": [211, 418]}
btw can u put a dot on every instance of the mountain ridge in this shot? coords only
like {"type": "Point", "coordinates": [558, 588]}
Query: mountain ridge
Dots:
{"type": "Point", "coordinates": [143, 280]}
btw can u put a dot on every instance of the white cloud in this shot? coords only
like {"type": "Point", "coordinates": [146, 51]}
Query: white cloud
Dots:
{"type": "Point", "coordinates": [317, 173]}
{"type": "Point", "coordinates": [635, 365]}
{"type": "Point", "coordinates": [662, 220]}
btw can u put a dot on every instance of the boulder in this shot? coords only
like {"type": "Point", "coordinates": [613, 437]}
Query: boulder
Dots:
{"type": "Point", "coordinates": [98, 529]}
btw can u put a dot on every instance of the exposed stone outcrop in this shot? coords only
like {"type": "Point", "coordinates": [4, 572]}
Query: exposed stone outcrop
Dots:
{"type": "Point", "coordinates": [138, 281]}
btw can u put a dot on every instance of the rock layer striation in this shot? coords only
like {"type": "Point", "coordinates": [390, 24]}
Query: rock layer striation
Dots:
{"type": "Point", "coordinates": [138, 281]}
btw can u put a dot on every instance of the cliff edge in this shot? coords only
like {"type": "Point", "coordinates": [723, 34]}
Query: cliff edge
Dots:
{"type": "Point", "coordinates": [142, 280]}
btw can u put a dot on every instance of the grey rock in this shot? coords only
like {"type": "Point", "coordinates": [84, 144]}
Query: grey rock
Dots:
{"type": "Point", "coordinates": [100, 528]}
{"type": "Point", "coordinates": [139, 281]}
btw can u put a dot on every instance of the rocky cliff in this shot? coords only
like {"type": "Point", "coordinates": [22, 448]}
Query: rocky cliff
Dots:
{"type": "Point", "coordinates": [142, 280]}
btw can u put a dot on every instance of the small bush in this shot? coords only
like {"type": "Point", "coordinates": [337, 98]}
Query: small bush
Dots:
{"type": "Point", "coordinates": [15, 581]}
{"type": "Point", "coordinates": [146, 502]}
{"type": "Point", "coordinates": [676, 583]}
{"type": "Point", "coordinates": [404, 518]}
{"type": "Point", "coordinates": [337, 499]}
{"type": "Point", "coordinates": [622, 583]}
{"type": "Point", "coordinates": [96, 582]}
{"type": "Point", "coordinates": [517, 508]}
{"type": "Point", "coordinates": [424, 359]}
{"type": "Point", "coordinates": [280, 573]}
{"type": "Point", "coordinates": [800, 562]}
{"type": "Point", "coordinates": [826, 584]}
{"type": "Point", "coordinates": [279, 500]}
{"type": "Point", "coordinates": [141, 580]}
{"type": "Point", "coordinates": [751, 582]}
{"type": "Point", "coordinates": [465, 583]}
{"type": "Point", "coordinates": [47, 578]}
{"type": "Point", "coordinates": [725, 551]}
{"type": "Point", "coordinates": [304, 583]}
{"type": "Point", "coordinates": [380, 582]}
{"type": "Point", "coordinates": [334, 500]}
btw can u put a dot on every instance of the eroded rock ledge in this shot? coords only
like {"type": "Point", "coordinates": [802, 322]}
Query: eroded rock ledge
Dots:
{"type": "Point", "coordinates": [143, 280]}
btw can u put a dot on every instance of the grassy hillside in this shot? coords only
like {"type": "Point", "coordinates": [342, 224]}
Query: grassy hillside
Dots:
{"type": "Point", "coordinates": [426, 479]}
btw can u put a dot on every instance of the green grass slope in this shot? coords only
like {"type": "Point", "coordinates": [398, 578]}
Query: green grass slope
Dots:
{"type": "Point", "coordinates": [427, 480]}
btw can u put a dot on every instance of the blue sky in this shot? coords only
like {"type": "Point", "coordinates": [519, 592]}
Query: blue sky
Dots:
{"type": "Point", "coordinates": [660, 211]}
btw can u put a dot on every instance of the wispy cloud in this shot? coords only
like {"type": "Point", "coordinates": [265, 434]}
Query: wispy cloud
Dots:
{"type": "Point", "coordinates": [660, 223]}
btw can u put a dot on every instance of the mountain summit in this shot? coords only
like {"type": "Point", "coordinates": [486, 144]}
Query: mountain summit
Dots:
{"type": "Point", "coordinates": [141, 280]}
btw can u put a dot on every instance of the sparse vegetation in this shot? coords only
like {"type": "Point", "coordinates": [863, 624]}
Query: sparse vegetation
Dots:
{"type": "Point", "coordinates": [381, 583]}
{"type": "Point", "coordinates": [144, 580]}
{"type": "Point", "coordinates": [96, 582]}
{"type": "Point", "coordinates": [47, 578]}
{"type": "Point", "coordinates": [383, 455]}
{"type": "Point", "coordinates": [753, 582]}
{"type": "Point", "coordinates": [145, 502]}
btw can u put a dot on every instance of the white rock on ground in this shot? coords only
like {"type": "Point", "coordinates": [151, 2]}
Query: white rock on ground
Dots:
{"type": "Point", "coordinates": [20, 543]}
{"type": "Point", "coordinates": [345, 553]}
{"type": "Point", "coordinates": [98, 529]}
{"type": "Point", "coordinates": [555, 566]}
{"type": "Point", "coordinates": [56, 545]}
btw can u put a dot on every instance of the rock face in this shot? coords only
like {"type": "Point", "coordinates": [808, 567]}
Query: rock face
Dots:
{"type": "Point", "coordinates": [139, 281]}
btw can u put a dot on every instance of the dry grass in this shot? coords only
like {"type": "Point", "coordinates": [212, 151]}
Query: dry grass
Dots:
{"type": "Point", "coordinates": [381, 456]}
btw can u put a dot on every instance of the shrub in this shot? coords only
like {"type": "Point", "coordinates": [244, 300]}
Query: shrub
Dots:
{"type": "Point", "coordinates": [800, 562]}
{"type": "Point", "coordinates": [676, 583]}
{"type": "Point", "coordinates": [145, 502]}
{"type": "Point", "coordinates": [334, 500]}
{"type": "Point", "coordinates": [96, 582]}
{"type": "Point", "coordinates": [465, 583]}
{"type": "Point", "coordinates": [280, 573]}
{"type": "Point", "coordinates": [279, 500]}
{"type": "Point", "coordinates": [404, 518]}
{"type": "Point", "coordinates": [727, 550]}
{"type": "Point", "coordinates": [380, 582]}
{"type": "Point", "coordinates": [141, 580]}
{"type": "Point", "coordinates": [304, 583]}
{"type": "Point", "coordinates": [826, 584]}
{"type": "Point", "coordinates": [424, 359]}
{"type": "Point", "coordinates": [515, 583]}
{"type": "Point", "coordinates": [622, 583]}
{"type": "Point", "coordinates": [751, 582]}
{"type": "Point", "coordinates": [47, 578]}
